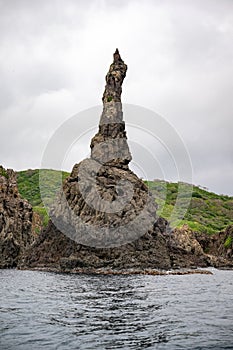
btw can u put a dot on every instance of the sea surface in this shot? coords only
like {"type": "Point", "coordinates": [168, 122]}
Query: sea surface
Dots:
{"type": "Point", "coordinates": [41, 310]}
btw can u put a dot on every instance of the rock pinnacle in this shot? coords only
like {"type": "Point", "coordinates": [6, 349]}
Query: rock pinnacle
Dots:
{"type": "Point", "coordinates": [109, 145]}
{"type": "Point", "coordinates": [103, 203]}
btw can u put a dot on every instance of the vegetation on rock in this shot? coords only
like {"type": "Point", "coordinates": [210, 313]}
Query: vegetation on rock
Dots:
{"type": "Point", "coordinates": [3, 172]}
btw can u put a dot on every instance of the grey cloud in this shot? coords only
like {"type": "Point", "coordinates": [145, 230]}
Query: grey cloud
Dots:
{"type": "Point", "coordinates": [54, 56]}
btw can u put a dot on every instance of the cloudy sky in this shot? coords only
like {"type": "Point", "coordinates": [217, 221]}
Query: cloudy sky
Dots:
{"type": "Point", "coordinates": [54, 56]}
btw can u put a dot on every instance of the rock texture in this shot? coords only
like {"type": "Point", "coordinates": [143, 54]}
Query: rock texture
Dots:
{"type": "Point", "coordinates": [180, 249]}
{"type": "Point", "coordinates": [55, 250]}
{"type": "Point", "coordinates": [105, 218]}
{"type": "Point", "coordinates": [16, 221]}
{"type": "Point", "coordinates": [218, 247]}
{"type": "Point", "coordinates": [109, 146]}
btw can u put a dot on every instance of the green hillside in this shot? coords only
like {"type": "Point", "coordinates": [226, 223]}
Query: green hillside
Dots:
{"type": "Point", "coordinates": [29, 188]}
{"type": "Point", "coordinates": [206, 212]}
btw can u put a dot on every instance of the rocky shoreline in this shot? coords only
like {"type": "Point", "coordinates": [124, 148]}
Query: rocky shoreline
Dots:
{"type": "Point", "coordinates": [152, 272]}
{"type": "Point", "coordinates": [178, 251]}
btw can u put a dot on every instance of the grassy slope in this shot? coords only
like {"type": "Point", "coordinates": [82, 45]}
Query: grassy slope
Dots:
{"type": "Point", "coordinates": [29, 188]}
{"type": "Point", "coordinates": [207, 212]}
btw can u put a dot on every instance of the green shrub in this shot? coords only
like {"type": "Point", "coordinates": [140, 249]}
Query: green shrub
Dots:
{"type": "Point", "coordinates": [197, 194]}
{"type": "Point", "coordinates": [43, 214]}
{"type": "Point", "coordinates": [3, 172]}
{"type": "Point", "coordinates": [228, 242]}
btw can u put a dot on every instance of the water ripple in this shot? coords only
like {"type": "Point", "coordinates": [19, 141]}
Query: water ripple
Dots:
{"type": "Point", "coordinates": [40, 310]}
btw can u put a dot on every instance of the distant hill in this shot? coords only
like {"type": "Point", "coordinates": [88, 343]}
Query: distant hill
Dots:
{"type": "Point", "coordinates": [207, 212]}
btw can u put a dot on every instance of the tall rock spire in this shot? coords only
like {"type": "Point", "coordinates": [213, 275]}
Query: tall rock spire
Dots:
{"type": "Point", "coordinates": [103, 203]}
{"type": "Point", "coordinates": [109, 146]}
{"type": "Point", "coordinates": [104, 216]}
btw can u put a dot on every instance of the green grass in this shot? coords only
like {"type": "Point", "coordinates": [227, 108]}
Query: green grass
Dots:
{"type": "Point", "coordinates": [228, 242]}
{"type": "Point", "coordinates": [207, 211]}
{"type": "Point", "coordinates": [180, 203]}
{"type": "Point", "coordinates": [29, 188]}
{"type": "Point", "coordinates": [43, 214]}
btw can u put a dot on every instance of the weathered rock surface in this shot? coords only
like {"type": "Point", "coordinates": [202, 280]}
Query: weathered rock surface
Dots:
{"type": "Point", "coordinates": [16, 221]}
{"type": "Point", "coordinates": [54, 249]}
{"type": "Point", "coordinates": [104, 217]}
{"type": "Point", "coordinates": [192, 249]}
{"type": "Point", "coordinates": [218, 247]}
{"type": "Point", "coordinates": [109, 146]}
{"type": "Point", "coordinates": [156, 250]}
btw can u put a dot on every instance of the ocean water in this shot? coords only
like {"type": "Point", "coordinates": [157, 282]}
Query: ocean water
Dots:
{"type": "Point", "coordinates": [41, 310]}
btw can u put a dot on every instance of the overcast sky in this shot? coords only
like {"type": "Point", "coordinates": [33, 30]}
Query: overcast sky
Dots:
{"type": "Point", "coordinates": [54, 56]}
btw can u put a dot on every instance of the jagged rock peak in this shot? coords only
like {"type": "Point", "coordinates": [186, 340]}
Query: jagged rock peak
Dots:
{"type": "Point", "coordinates": [116, 56]}
{"type": "Point", "coordinates": [109, 145]}
{"type": "Point", "coordinates": [114, 79]}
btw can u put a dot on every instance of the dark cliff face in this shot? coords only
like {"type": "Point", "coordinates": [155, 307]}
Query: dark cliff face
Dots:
{"type": "Point", "coordinates": [16, 220]}
{"type": "Point", "coordinates": [218, 247]}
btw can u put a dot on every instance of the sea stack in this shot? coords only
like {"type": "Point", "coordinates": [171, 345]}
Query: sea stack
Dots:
{"type": "Point", "coordinates": [104, 215]}
{"type": "Point", "coordinates": [103, 203]}
{"type": "Point", "coordinates": [104, 218]}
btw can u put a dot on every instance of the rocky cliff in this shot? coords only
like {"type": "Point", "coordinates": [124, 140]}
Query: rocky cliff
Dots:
{"type": "Point", "coordinates": [104, 216]}
{"type": "Point", "coordinates": [16, 221]}
{"type": "Point", "coordinates": [218, 247]}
